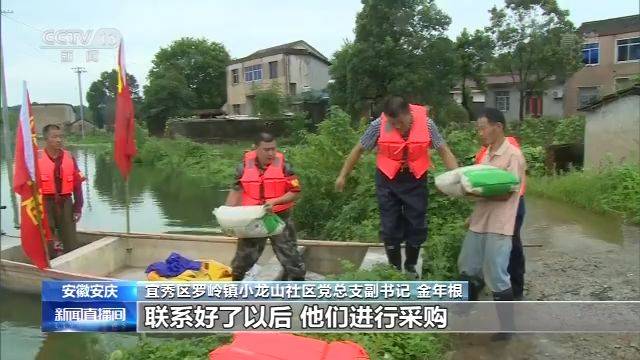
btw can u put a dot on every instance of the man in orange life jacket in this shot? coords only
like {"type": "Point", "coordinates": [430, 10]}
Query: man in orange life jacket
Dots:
{"type": "Point", "coordinates": [265, 178]}
{"type": "Point", "coordinates": [60, 178]}
{"type": "Point", "coordinates": [403, 135]}
{"type": "Point", "coordinates": [516, 267]}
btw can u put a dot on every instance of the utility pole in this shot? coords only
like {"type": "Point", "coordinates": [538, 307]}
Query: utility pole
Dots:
{"type": "Point", "coordinates": [6, 133]}
{"type": "Point", "coordinates": [5, 111]}
{"type": "Point", "coordinates": [79, 70]}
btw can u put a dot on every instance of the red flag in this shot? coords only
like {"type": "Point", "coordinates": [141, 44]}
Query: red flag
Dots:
{"type": "Point", "coordinates": [124, 146]}
{"type": "Point", "coordinates": [34, 229]}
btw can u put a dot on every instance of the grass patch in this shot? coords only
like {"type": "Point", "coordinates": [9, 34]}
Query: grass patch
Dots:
{"type": "Point", "coordinates": [89, 139]}
{"type": "Point", "coordinates": [614, 190]}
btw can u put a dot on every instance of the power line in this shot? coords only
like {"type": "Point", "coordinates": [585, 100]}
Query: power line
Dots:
{"type": "Point", "coordinates": [21, 22]}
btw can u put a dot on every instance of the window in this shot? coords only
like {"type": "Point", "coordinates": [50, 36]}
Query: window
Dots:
{"type": "Point", "coordinates": [253, 73]}
{"type": "Point", "coordinates": [623, 83]}
{"type": "Point", "coordinates": [236, 109]}
{"type": "Point", "coordinates": [591, 54]}
{"type": "Point", "coordinates": [587, 95]}
{"type": "Point", "coordinates": [502, 100]}
{"type": "Point", "coordinates": [628, 49]}
{"type": "Point", "coordinates": [235, 77]}
{"type": "Point", "coordinates": [292, 88]}
{"type": "Point", "coordinates": [273, 69]}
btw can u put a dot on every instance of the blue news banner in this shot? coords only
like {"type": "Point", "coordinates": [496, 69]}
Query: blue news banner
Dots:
{"type": "Point", "coordinates": [104, 306]}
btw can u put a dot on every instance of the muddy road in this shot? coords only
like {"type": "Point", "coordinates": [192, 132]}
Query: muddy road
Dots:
{"type": "Point", "coordinates": [584, 256]}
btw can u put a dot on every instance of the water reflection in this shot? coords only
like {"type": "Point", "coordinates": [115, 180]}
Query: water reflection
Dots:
{"type": "Point", "coordinates": [22, 339]}
{"type": "Point", "coordinates": [182, 201]}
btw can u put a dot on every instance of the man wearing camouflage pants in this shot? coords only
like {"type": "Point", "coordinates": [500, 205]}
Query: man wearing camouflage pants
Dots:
{"type": "Point", "coordinates": [265, 178]}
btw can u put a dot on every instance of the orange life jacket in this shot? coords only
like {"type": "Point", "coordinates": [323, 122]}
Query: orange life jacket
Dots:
{"type": "Point", "coordinates": [392, 146]}
{"type": "Point", "coordinates": [259, 187]}
{"type": "Point", "coordinates": [482, 153]}
{"type": "Point", "coordinates": [47, 168]}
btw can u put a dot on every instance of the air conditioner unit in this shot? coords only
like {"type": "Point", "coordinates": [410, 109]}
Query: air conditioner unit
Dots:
{"type": "Point", "coordinates": [557, 94]}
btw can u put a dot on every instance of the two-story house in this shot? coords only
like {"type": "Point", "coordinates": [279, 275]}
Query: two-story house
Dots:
{"type": "Point", "coordinates": [611, 54]}
{"type": "Point", "coordinates": [294, 67]}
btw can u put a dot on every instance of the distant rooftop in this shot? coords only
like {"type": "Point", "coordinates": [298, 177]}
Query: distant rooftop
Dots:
{"type": "Point", "coordinates": [299, 47]}
{"type": "Point", "coordinates": [613, 26]}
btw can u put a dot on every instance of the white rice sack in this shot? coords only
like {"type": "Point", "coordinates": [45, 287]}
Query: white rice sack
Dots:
{"type": "Point", "coordinates": [450, 182]}
{"type": "Point", "coordinates": [248, 221]}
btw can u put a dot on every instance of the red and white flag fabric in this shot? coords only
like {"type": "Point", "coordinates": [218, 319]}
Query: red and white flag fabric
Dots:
{"type": "Point", "coordinates": [34, 229]}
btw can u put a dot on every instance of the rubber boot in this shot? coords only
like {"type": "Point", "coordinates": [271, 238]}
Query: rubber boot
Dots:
{"type": "Point", "coordinates": [476, 285]}
{"type": "Point", "coordinates": [394, 255]}
{"type": "Point", "coordinates": [518, 290]}
{"type": "Point", "coordinates": [505, 314]}
{"type": "Point", "coordinates": [411, 260]}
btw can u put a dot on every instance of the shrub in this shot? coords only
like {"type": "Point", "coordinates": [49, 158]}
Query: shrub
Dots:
{"type": "Point", "coordinates": [450, 113]}
{"type": "Point", "coordinates": [268, 102]}
{"type": "Point", "coordinates": [569, 130]}
{"type": "Point", "coordinates": [214, 165]}
{"type": "Point", "coordinates": [535, 157]}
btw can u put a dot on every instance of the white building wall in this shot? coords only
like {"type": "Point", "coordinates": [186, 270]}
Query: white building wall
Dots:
{"type": "Point", "coordinates": [612, 133]}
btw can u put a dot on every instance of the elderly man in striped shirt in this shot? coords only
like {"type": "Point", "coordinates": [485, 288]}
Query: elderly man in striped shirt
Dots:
{"type": "Point", "coordinates": [403, 135]}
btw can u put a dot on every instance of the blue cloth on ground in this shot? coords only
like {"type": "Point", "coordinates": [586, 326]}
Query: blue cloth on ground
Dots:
{"type": "Point", "coordinates": [175, 265]}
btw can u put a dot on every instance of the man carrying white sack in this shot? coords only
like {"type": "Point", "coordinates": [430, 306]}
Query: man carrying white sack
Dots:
{"type": "Point", "coordinates": [265, 178]}
{"type": "Point", "coordinates": [485, 252]}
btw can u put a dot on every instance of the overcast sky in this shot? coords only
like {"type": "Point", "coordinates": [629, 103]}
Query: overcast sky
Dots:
{"type": "Point", "coordinates": [243, 26]}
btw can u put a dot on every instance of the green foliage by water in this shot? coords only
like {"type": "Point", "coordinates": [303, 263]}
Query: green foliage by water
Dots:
{"type": "Point", "coordinates": [214, 166]}
{"type": "Point", "coordinates": [614, 190]}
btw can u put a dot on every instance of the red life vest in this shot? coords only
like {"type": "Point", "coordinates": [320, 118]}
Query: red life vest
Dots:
{"type": "Point", "coordinates": [47, 168]}
{"type": "Point", "coordinates": [482, 153]}
{"type": "Point", "coordinates": [392, 146]}
{"type": "Point", "coordinates": [258, 187]}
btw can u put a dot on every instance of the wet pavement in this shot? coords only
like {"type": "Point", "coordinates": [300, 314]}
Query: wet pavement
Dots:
{"type": "Point", "coordinates": [584, 256]}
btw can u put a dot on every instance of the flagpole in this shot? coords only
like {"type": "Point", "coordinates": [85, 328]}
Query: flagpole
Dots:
{"type": "Point", "coordinates": [126, 199]}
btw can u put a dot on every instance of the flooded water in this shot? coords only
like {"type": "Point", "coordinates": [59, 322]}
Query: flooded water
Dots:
{"type": "Point", "coordinates": [162, 201]}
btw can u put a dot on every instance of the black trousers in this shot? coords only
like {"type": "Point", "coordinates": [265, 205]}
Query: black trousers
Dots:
{"type": "Point", "coordinates": [403, 207]}
{"type": "Point", "coordinates": [516, 267]}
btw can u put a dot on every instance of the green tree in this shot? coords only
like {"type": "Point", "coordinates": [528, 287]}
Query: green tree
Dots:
{"type": "Point", "coordinates": [166, 95]}
{"type": "Point", "coordinates": [340, 72]}
{"type": "Point", "coordinates": [473, 52]}
{"type": "Point", "coordinates": [193, 70]}
{"type": "Point", "coordinates": [535, 41]}
{"type": "Point", "coordinates": [400, 48]}
{"type": "Point", "coordinates": [101, 96]}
